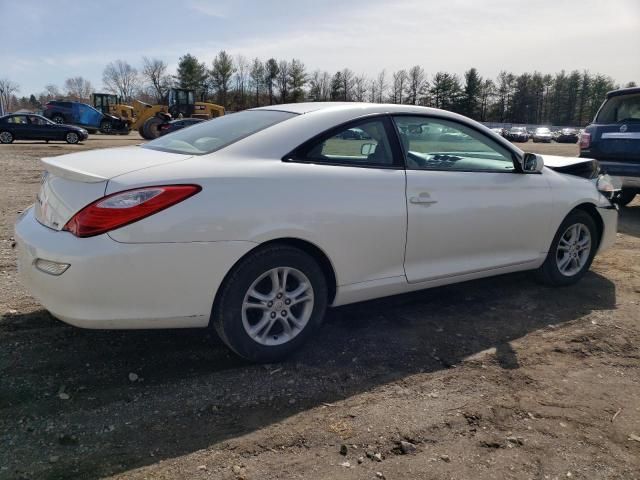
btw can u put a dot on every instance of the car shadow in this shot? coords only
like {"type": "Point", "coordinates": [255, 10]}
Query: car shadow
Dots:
{"type": "Point", "coordinates": [629, 219]}
{"type": "Point", "coordinates": [191, 393]}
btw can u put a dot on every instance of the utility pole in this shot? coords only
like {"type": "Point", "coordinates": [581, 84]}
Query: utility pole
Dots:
{"type": "Point", "coordinates": [1, 102]}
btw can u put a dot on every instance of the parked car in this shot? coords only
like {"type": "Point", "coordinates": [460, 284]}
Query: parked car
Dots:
{"type": "Point", "coordinates": [567, 135]}
{"type": "Point", "coordinates": [36, 127]}
{"type": "Point", "coordinates": [179, 124]}
{"type": "Point", "coordinates": [81, 114]}
{"type": "Point", "coordinates": [542, 134]}
{"type": "Point", "coordinates": [517, 134]}
{"type": "Point", "coordinates": [254, 223]}
{"type": "Point", "coordinates": [354, 134]}
{"type": "Point", "coordinates": [614, 139]}
{"type": "Point", "coordinates": [499, 131]}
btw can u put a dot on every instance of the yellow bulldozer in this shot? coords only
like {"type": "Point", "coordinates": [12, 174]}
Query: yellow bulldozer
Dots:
{"type": "Point", "coordinates": [147, 118]}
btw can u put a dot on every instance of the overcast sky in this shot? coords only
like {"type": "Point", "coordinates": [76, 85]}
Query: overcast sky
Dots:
{"type": "Point", "coordinates": [47, 41]}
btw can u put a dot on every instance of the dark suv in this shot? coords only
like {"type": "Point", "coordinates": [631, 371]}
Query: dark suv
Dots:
{"type": "Point", "coordinates": [614, 140]}
{"type": "Point", "coordinates": [76, 113]}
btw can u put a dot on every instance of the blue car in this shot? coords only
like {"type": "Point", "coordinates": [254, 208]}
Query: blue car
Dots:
{"type": "Point", "coordinates": [614, 140]}
{"type": "Point", "coordinates": [76, 113]}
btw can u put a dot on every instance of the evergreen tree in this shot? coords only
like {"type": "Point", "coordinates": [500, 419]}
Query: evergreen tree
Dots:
{"type": "Point", "coordinates": [221, 74]}
{"type": "Point", "coordinates": [191, 74]}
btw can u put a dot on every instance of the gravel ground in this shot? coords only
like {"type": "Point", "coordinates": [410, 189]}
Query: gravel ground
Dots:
{"type": "Point", "coordinates": [499, 378]}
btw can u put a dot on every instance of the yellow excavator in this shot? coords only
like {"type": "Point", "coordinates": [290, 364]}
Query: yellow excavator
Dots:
{"type": "Point", "coordinates": [147, 118]}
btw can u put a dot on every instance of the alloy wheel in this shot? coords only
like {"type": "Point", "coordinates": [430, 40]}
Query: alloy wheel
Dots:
{"type": "Point", "coordinates": [573, 249]}
{"type": "Point", "coordinates": [277, 306]}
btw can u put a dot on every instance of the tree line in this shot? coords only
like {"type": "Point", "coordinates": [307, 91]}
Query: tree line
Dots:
{"type": "Point", "coordinates": [237, 83]}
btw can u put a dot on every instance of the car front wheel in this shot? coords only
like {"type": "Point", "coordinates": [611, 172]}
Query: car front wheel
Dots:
{"type": "Point", "coordinates": [271, 303]}
{"type": "Point", "coordinates": [72, 138]}
{"type": "Point", "coordinates": [6, 137]}
{"type": "Point", "coordinates": [572, 250]}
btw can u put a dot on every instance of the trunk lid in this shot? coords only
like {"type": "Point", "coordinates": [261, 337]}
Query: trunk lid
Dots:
{"type": "Point", "coordinates": [620, 141]}
{"type": "Point", "coordinates": [71, 182]}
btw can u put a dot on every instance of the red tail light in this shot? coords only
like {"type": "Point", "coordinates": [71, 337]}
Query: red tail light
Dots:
{"type": "Point", "coordinates": [122, 208]}
{"type": "Point", "coordinates": [585, 140]}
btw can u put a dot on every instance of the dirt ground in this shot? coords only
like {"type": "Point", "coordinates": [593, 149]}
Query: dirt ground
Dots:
{"type": "Point", "coordinates": [491, 379]}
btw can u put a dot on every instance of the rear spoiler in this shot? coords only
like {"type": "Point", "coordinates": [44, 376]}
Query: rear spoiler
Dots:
{"type": "Point", "coordinates": [53, 166]}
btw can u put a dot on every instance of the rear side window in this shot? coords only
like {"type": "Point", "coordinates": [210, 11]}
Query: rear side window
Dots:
{"type": "Point", "coordinates": [364, 143]}
{"type": "Point", "coordinates": [18, 119]}
{"type": "Point", "coordinates": [621, 108]}
{"type": "Point", "coordinates": [207, 137]}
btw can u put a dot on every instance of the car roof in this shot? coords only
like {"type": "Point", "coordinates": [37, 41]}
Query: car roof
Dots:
{"type": "Point", "coordinates": [358, 108]}
{"type": "Point", "coordinates": [623, 91]}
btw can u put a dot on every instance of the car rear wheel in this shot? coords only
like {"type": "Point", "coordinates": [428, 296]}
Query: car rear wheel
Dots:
{"type": "Point", "coordinates": [6, 137]}
{"type": "Point", "coordinates": [625, 197]}
{"type": "Point", "coordinates": [72, 138]}
{"type": "Point", "coordinates": [571, 252]}
{"type": "Point", "coordinates": [271, 303]}
{"type": "Point", "coordinates": [58, 119]}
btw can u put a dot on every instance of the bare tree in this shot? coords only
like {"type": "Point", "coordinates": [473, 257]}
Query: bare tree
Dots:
{"type": "Point", "coordinates": [257, 78]}
{"type": "Point", "coordinates": [78, 89]}
{"type": "Point", "coordinates": [241, 77]}
{"type": "Point", "coordinates": [282, 80]}
{"type": "Point", "coordinates": [416, 84]}
{"type": "Point", "coordinates": [122, 79]}
{"type": "Point", "coordinates": [373, 91]}
{"type": "Point", "coordinates": [381, 85]}
{"type": "Point", "coordinates": [399, 84]}
{"type": "Point", "coordinates": [157, 80]}
{"type": "Point", "coordinates": [320, 86]}
{"type": "Point", "coordinates": [360, 88]}
{"type": "Point", "coordinates": [347, 84]}
{"type": "Point", "coordinates": [8, 89]}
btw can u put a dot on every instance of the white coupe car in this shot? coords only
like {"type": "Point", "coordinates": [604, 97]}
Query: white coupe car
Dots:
{"type": "Point", "coordinates": [255, 222]}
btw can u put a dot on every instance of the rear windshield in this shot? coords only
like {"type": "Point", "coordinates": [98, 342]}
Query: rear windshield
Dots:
{"type": "Point", "coordinates": [212, 135]}
{"type": "Point", "coordinates": [622, 108]}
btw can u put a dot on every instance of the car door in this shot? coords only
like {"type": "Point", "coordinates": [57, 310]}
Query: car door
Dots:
{"type": "Point", "coordinates": [39, 129]}
{"type": "Point", "coordinates": [469, 209]}
{"type": "Point", "coordinates": [354, 191]}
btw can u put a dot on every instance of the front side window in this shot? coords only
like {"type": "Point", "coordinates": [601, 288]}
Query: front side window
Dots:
{"type": "Point", "coordinates": [210, 136]}
{"type": "Point", "coordinates": [361, 144]}
{"type": "Point", "coordinates": [35, 120]}
{"type": "Point", "coordinates": [436, 144]}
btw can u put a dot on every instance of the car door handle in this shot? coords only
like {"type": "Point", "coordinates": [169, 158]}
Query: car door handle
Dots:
{"type": "Point", "coordinates": [423, 199]}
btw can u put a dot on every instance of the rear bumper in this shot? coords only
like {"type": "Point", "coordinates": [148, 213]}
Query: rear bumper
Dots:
{"type": "Point", "coordinates": [627, 172]}
{"type": "Point", "coordinates": [610, 221]}
{"type": "Point", "coordinates": [114, 285]}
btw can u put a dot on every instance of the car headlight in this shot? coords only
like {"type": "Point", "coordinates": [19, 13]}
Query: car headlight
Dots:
{"type": "Point", "coordinates": [608, 186]}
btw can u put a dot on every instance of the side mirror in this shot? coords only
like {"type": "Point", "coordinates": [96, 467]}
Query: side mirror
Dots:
{"type": "Point", "coordinates": [367, 149]}
{"type": "Point", "coordinates": [532, 163]}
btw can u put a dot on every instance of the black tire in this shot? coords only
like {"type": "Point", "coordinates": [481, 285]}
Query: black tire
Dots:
{"type": "Point", "coordinates": [72, 137]}
{"type": "Point", "coordinates": [141, 131]}
{"type": "Point", "coordinates": [6, 137]}
{"type": "Point", "coordinates": [549, 273]}
{"type": "Point", "coordinates": [226, 316]}
{"type": "Point", "coordinates": [151, 128]}
{"type": "Point", "coordinates": [57, 119]}
{"type": "Point", "coordinates": [106, 127]}
{"type": "Point", "coordinates": [625, 197]}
